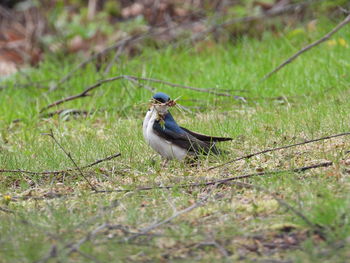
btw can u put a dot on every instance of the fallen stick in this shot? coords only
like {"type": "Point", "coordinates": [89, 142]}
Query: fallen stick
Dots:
{"type": "Point", "coordinates": [269, 14]}
{"type": "Point", "coordinates": [83, 94]}
{"type": "Point", "coordinates": [72, 247]}
{"type": "Point", "coordinates": [114, 59]}
{"type": "Point", "coordinates": [122, 42]}
{"type": "Point", "coordinates": [87, 91]}
{"type": "Point", "coordinates": [209, 90]}
{"type": "Point", "coordinates": [224, 180]}
{"type": "Point", "coordinates": [279, 148]}
{"type": "Point", "coordinates": [52, 136]}
{"type": "Point", "coordinates": [6, 210]}
{"type": "Point", "coordinates": [200, 184]}
{"type": "Point", "coordinates": [60, 171]}
{"type": "Point", "coordinates": [199, 35]}
{"type": "Point", "coordinates": [73, 112]}
{"type": "Point", "coordinates": [308, 47]}
{"type": "Point", "coordinates": [146, 230]}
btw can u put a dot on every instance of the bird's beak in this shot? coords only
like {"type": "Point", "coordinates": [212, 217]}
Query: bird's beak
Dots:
{"type": "Point", "coordinates": [171, 103]}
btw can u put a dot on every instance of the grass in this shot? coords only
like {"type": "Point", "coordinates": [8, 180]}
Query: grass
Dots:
{"type": "Point", "coordinates": [307, 99]}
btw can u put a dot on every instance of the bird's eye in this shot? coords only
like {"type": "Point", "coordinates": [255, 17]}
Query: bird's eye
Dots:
{"type": "Point", "coordinates": [159, 101]}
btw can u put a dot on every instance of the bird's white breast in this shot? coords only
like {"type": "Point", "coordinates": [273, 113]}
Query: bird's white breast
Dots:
{"type": "Point", "coordinates": [165, 148]}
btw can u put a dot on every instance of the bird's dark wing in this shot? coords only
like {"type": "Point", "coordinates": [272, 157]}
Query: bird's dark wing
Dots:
{"type": "Point", "coordinates": [184, 140]}
{"type": "Point", "coordinates": [206, 138]}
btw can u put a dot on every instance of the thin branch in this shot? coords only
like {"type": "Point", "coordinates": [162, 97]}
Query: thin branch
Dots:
{"type": "Point", "coordinates": [91, 234]}
{"type": "Point", "coordinates": [99, 214]}
{"type": "Point", "coordinates": [93, 57]}
{"type": "Point", "coordinates": [200, 184]}
{"type": "Point", "coordinates": [304, 49]}
{"type": "Point", "coordinates": [224, 180]}
{"type": "Point", "coordinates": [115, 58]}
{"type": "Point", "coordinates": [143, 85]}
{"type": "Point", "coordinates": [71, 247]}
{"type": "Point", "coordinates": [295, 170]}
{"type": "Point", "coordinates": [210, 90]}
{"type": "Point", "coordinates": [101, 160]}
{"type": "Point", "coordinates": [51, 254]}
{"type": "Point", "coordinates": [121, 43]}
{"type": "Point", "coordinates": [87, 91]}
{"type": "Point", "coordinates": [87, 256]}
{"type": "Point", "coordinates": [83, 94]}
{"type": "Point", "coordinates": [146, 230]}
{"type": "Point", "coordinates": [67, 111]}
{"type": "Point", "coordinates": [6, 210]}
{"type": "Point", "coordinates": [269, 14]}
{"type": "Point", "coordinates": [87, 237]}
{"type": "Point", "coordinates": [223, 251]}
{"type": "Point", "coordinates": [151, 32]}
{"type": "Point", "coordinates": [60, 171]}
{"type": "Point", "coordinates": [75, 246]}
{"type": "Point", "coordinates": [71, 158]}
{"type": "Point", "coordinates": [219, 181]}
{"type": "Point", "coordinates": [279, 148]}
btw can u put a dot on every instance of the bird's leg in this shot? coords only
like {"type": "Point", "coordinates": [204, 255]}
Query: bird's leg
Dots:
{"type": "Point", "coordinates": [164, 162]}
{"type": "Point", "coordinates": [192, 160]}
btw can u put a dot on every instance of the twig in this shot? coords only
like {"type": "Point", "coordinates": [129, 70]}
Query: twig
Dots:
{"type": "Point", "coordinates": [152, 32]}
{"type": "Point", "coordinates": [229, 179]}
{"type": "Point", "coordinates": [101, 160]}
{"type": "Point", "coordinates": [200, 184]}
{"type": "Point", "coordinates": [143, 85]}
{"type": "Point", "coordinates": [119, 44]}
{"type": "Point", "coordinates": [71, 158]}
{"type": "Point", "coordinates": [83, 94]}
{"type": "Point", "coordinates": [100, 213]}
{"type": "Point", "coordinates": [304, 49]}
{"type": "Point", "coordinates": [3, 209]}
{"type": "Point", "coordinates": [51, 254]}
{"type": "Point", "coordinates": [68, 111]}
{"type": "Point", "coordinates": [279, 148]}
{"type": "Point", "coordinates": [295, 170]}
{"type": "Point", "coordinates": [60, 171]}
{"type": "Point", "coordinates": [268, 14]}
{"type": "Point", "coordinates": [87, 91]}
{"type": "Point", "coordinates": [90, 235]}
{"type": "Point", "coordinates": [146, 230]}
{"type": "Point", "coordinates": [87, 237]}
{"type": "Point", "coordinates": [345, 11]}
{"type": "Point", "coordinates": [115, 58]}
{"type": "Point", "coordinates": [72, 247]}
{"type": "Point", "coordinates": [223, 251]}
{"type": "Point", "coordinates": [93, 57]}
{"type": "Point", "coordinates": [87, 256]}
{"type": "Point", "coordinates": [210, 90]}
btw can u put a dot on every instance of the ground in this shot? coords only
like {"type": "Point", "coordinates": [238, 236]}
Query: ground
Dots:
{"type": "Point", "coordinates": [274, 217]}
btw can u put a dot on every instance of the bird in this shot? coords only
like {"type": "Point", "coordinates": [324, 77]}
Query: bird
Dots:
{"type": "Point", "coordinates": [170, 140]}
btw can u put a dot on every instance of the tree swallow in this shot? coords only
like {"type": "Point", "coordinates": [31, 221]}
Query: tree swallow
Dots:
{"type": "Point", "coordinates": [171, 141]}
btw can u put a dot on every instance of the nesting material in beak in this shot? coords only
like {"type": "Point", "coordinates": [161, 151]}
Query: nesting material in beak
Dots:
{"type": "Point", "coordinates": [171, 103]}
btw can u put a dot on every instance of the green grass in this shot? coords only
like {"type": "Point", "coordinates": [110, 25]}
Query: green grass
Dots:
{"type": "Point", "coordinates": [249, 224]}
